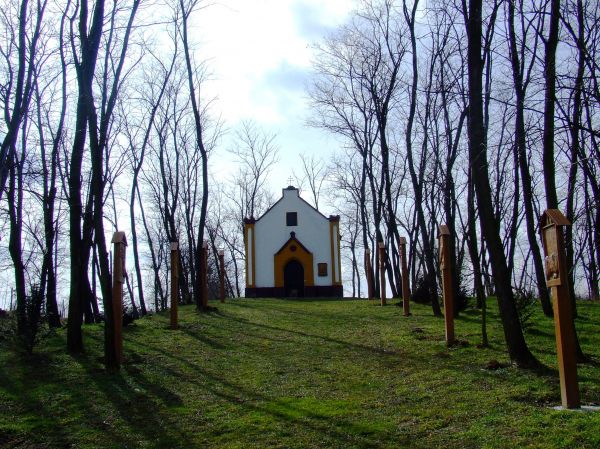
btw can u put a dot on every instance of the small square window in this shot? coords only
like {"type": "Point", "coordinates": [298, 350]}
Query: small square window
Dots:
{"type": "Point", "coordinates": [291, 218]}
{"type": "Point", "coordinates": [322, 269]}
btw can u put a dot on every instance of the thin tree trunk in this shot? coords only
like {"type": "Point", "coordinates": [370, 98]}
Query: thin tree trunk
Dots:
{"type": "Point", "coordinates": [200, 142]}
{"type": "Point", "coordinates": [85, 68]}
{"type": "Point", "coordinates": [15, 244]}
{"type": "Point", "coordinates": [549, 106]}
{"type": "Point", "coordinates": [593, 278]}
{"type": "Point", "coordinates": [48, 276]}
{"type": "Point", "coordinates": [575, 149]}
{"type": "Point", "coordinates": [134, 188]}
{"type": "Point", "coordinates": [158, 290]}
{"type": "Point", "coordinates": [521, 148]}
{"type": "Point", "coordinates": [474, 255]}
{"type": "Point", "coordinates": [23, 82]}
{"type": "Point", "coordinates": [76, 294]}
{"type": "Point", "coordinates": [513, 333]}
{"type": "Point", "coordinates": [430, 275]}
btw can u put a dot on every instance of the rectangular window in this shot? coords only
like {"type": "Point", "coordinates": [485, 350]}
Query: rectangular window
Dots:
{"type": "Point", "coordinates": [322, 269]}
{"type": "Point", "coordinates": [291, 218]}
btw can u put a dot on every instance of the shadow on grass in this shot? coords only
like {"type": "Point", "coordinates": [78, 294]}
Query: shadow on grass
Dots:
{"type": "Point", "coordinates": [140, 405]}
{"type": "Point", "coordinates": [49, 409]}
{"type": "Point", "coordinates": [539, 369]}
{"type": "Point", "coordinates": [347, 344]}
{"type": "Point", "coordinates": [283, 409]}
{"type": "Point", "coordinates": [201, 338]}
{"type": "Point", "coordinates": [469, 315]}
{"type": "Point", "coordinates": [539, 332]}
{"type": "Point", "coordinates": [287, 307]}
{"type": "Point", "coordinates": [24, 389]}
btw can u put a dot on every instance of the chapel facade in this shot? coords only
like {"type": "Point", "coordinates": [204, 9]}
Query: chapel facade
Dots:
{"type": "Point", "coordinates": [293, 250]}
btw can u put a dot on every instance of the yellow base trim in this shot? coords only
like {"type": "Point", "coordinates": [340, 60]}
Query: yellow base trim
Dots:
{"type": "Point", "coordinates": [249, 229]}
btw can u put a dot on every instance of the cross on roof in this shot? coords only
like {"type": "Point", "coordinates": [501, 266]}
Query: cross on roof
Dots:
{"type": "Point", "coordinates": [290, 180]}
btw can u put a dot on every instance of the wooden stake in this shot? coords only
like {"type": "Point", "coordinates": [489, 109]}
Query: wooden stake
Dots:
{"type": "Point", "coordinates": [382, 271]}
{"type": "Point", "coordinates": [174, 283]}
{"type": "Point", "coordinates": [447, 288]}
{"type": "Point", "coordinates": [369, 271]}
{"type": "Point", "coordinates": [222, 275]}
{"type": "Point", "coordinates": [405, 287]}
{"type": "Point", "coordinates": [205, 275]}
{"type": "Point", "coordinates": [118, 277]}
{"type": "Point", "coordinates": [552, 225]}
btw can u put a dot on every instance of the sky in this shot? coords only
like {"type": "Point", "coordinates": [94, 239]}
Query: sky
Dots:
{"type": "Point", "coordinates": [259, 53]}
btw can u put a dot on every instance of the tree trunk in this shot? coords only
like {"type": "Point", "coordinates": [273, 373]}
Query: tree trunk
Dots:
{"type": "Point", "coordinates": [23, 82]}
{"type": "Point", "coordinates": [575, 127]}
{"type": "Point", "coordinates": [186, 12]}
{"type": "Point", "coordinates": [78, 273]}
{"type": "Point", "coordinates": [430, 275]}
{"type": "Point", "coordinates": [158, 290]}
{"type": "Point", "coordinates": [15, 245]}
{"type": "Point", "coordinates": [521, 148]}
{"type": "Point", "coordinates": [47, 285]}
{"type": "Point", "coordinates": [593, 244]}
{"type": "Point", "coordinates": [474, 255]}
{"type": "Point", "coordinates": [134, 240]}
{"type": "Point", "coordinates": [85, 68]}
{"type": "Point", "coordinates": [513, 334]}
{"type": "Point", "coordinates": [549, 106]}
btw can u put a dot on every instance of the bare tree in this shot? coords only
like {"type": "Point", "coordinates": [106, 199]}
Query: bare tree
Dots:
{"type": "Point", "coordinates": [522, 78]}
{"type": "Point", "coordinates": [551, 43]}
{"type": "Point", "coordinates": [187, 7]}
{"type": "Point", "coordinates": [85, 67]}
{"type": "Point", "coordinates": [20, 55]}
{"type": "Point", "coordinates": [513, 334]}
{"type": "Point", "coordinates": [98, 127]}
{"type": "Point", "coordinates": [417, 179]}
{"type": "Point", "coordinates": [313, 172]}
{"type": "Point", "coordinates": [256, 152]}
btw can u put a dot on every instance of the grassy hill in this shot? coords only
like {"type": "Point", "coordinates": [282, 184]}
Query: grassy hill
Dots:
{"type": "Point", "coordinates": [297, 374]}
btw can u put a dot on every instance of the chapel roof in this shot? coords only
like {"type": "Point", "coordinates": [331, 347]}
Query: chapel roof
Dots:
{"type": "Point", "coordinates": [288, 189]}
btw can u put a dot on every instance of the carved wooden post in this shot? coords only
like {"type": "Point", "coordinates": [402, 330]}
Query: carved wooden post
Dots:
{"type": "Point", "coordinates": [222, 275]}
{"type": "Point", "coordinates": [369, 271]}
{"type": "Point", "coordinates": [174, 283]}
{"type": "Point", "coordinates": [205, 275]}
{"type": "Point", "coordinates": [118, 277]}
{"type": "Point", "coordinates": [552, 223]}
{"type": "Point", "coordinates": [447, 290]}
{"type": "Point", "coordinates": [382, 271]}
{"type": "Point", "coordinates": [405, 288]}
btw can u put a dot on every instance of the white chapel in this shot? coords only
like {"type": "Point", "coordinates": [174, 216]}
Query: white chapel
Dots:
{"type": "Point", "coordinates": [293, 251]}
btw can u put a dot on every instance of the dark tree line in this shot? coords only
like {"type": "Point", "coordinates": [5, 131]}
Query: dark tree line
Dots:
{"type": "Point", "coordinates": [87, 95]}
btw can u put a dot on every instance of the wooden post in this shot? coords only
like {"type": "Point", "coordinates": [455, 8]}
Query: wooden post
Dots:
{"type": "Point", "coordinates": [552, 225]}
{"type": "Point", "coordinates": [118, 277]}
{"type": "Point", "coordinates": [369, 271]}
{"type": "Point", "coordinates": [405, 287]}
{"type": "Point", "coordinates": [447, 289]}
{"type": "Point", "coordinates": [174, 283]}
{"type": "Point", "coordinates": [222, 275]}
{"type": "Point", "coordinates": [205, 275]}
{"type": "Point", "coordinates": [382, 271]}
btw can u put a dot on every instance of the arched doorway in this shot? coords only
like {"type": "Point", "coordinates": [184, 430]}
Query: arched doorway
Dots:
{"type": "Point", "coordinates": [293, 279]}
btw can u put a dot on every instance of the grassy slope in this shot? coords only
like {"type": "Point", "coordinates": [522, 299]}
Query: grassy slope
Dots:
{"type": "Point", "coordinates": [273, 373]}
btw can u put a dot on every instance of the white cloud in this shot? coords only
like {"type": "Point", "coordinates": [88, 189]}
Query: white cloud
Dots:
{"type": "Point", "coordinates": [259, 53]}
{"type": "Point", "coordinates": [254, 46]}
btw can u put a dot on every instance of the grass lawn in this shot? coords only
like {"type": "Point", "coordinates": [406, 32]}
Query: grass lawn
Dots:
{"type": "Point", "coordinates": [297, 374]}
